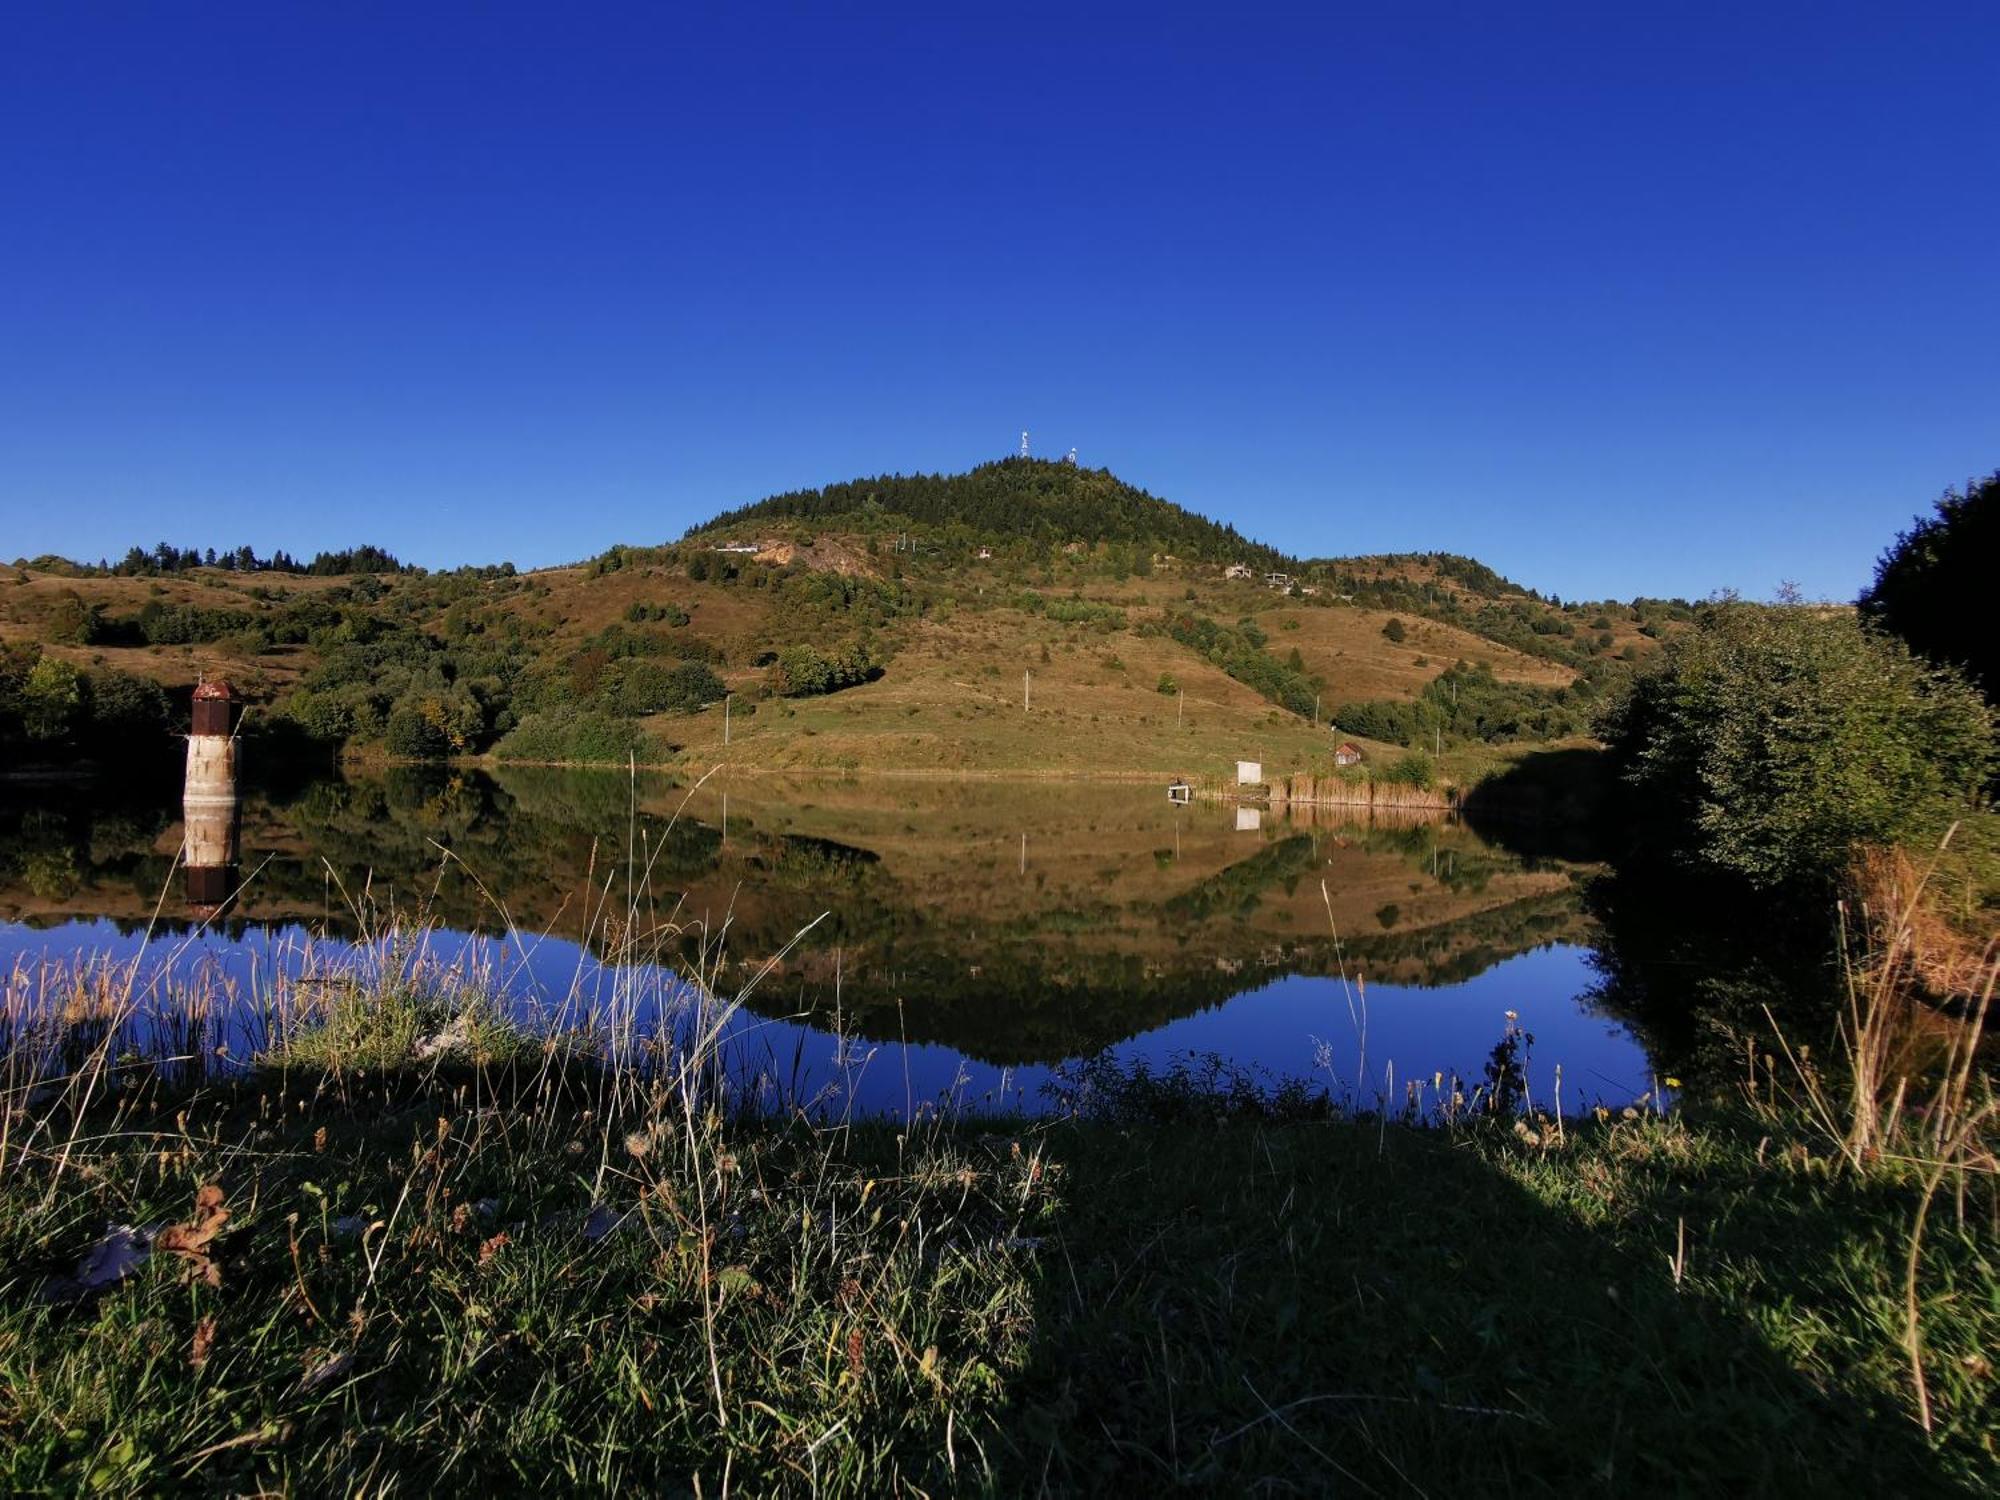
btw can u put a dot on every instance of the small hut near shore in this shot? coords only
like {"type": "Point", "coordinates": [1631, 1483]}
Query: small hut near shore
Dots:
{"type": "Point", "coordinates": [1349, 754]}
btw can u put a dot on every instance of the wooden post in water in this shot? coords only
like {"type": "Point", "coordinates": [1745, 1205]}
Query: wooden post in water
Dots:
{"type": "Point", "coordinates": [208, 802]}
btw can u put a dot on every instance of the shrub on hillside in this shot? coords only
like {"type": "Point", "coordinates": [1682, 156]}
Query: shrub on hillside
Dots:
{"type": "Point", "coordinates": [571, 735]}
{"type": "Point", "coordinates": [126, 712]}
{"type": "Point", "coordinates": [188, 624]}
{"type": "Point", "coordinates": [651, 687]}
{"type": "Point", "coordinates": [1415, 769]}
{"type": "Point", "coordinates": [48, 705]}
{"type": "Point", "coordinates": [413, 735]}
{"type": "Point", "coordinates": [73, 623]}
{"type": "Point", "coordinates": [803, 671]}
{"type": "Point", "coordinates": [52, 702]}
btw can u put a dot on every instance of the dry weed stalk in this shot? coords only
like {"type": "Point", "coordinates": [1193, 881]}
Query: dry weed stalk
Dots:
{"type": "Point", "coordinates": [1916, 1097]}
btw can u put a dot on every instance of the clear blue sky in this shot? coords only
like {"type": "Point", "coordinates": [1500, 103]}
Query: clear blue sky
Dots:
{"type": "Point", "coordinates": [1621, 299]}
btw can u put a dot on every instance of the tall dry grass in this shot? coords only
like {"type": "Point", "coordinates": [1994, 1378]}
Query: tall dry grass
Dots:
{"type": "Point", "coordinates": [1912, 1097]}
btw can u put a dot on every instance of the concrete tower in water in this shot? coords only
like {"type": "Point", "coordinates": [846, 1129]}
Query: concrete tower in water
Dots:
{"type": "Point", "coordinates": [208, 802]}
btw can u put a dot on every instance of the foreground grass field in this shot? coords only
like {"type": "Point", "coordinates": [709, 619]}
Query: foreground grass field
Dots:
{"type": "Point", "coordinates": [413, 1248]}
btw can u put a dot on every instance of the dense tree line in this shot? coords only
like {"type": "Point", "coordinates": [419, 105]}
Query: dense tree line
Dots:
{"type": "Point", "coordinates": [1467, 702]}
{"type": "Point", "coordinates": [165, 559]}
{"type": "Point", "coordinates": [1239, 650]}
{"type": "Point", "coordinates": [1105, 617]}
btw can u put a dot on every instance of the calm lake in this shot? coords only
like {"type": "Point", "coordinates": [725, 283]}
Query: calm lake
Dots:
{"type": "Point", "coordinates": [897, 943]}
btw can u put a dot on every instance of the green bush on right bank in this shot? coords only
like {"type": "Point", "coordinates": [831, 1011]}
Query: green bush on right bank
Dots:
{"type": "Point", "coordinates": [1771, 741]}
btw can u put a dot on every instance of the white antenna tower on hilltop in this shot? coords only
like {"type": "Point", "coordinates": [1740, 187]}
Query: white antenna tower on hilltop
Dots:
{"type": "Point", "coordinates": [1071, 460]}
{"type": "Point", "coordinates": [1024, 442]}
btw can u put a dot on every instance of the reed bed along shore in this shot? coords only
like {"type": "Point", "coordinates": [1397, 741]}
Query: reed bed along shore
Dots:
{"type": "Point", "coordinates": [400, 1233]}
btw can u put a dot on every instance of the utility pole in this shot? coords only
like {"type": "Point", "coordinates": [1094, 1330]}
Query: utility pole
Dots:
{"type": "Point", "coordinates": [726, 697]}
{"type": "Point", "coordinates": [1315, 710]}
{"type": "Point", "coordinates": [1024, 692]}
{"type": "Point", "coordinates": [1180, 705]}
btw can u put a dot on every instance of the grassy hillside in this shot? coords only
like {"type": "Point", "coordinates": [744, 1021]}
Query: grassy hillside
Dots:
{"type": "Point", "coordinates": [884, 624]}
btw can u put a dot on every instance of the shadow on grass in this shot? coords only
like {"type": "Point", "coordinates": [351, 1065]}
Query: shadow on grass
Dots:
{"type": "Point", "coordinates": [1319, 1308]}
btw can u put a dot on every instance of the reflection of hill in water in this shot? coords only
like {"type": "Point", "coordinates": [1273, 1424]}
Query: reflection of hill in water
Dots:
{"type": "Point", "coordinates": [1017, 922]}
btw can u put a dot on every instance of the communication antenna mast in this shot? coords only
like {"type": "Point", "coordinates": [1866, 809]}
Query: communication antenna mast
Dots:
{"type": "Point", "coordinates": [1071, 460]}
{"type": "Point", "coordinates": [1024, 442]}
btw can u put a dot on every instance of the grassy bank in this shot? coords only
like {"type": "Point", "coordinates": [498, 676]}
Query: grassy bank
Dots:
{"type": "Point", "coordinates": [416, 1244]}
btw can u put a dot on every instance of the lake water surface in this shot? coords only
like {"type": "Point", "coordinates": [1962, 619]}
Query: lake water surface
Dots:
{"type": "Point", "coordinates": [897, 943]}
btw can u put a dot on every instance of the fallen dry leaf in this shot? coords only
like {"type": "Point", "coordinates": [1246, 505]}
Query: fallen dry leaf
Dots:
{"type": "Point", "coordinates": [190, 1241]}
{"type": "Point", "coordinates": [204, 1340]}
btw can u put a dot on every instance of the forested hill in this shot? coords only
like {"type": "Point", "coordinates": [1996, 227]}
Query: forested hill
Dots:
{"type": "Point", "coordinates": [1016, 497]}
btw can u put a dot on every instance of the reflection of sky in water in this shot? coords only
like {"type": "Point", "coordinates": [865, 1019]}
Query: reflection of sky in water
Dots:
{"type": "Point", "coordinates": [1275, 1027]}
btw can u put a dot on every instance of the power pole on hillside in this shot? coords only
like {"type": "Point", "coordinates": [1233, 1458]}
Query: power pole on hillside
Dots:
{"type": "Point", "coordinates": [1024, 442]}
{"type": "Point", "coordinates": [1024, 692]}
{"type": "Point", "coordinates": [1180, 705]}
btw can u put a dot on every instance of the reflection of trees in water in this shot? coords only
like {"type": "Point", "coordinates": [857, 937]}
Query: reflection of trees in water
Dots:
{"type": "Point", "coordinates": [1052, 980]}
{"type": "Point", "coordinates": [798, 859]}
{"type": "Point", "coordinates": [1021, 999]}
{"type": "Point", "coordinates": [1689, 962]}
{"type": "Point", "coordinates": [1692, 965]}
{"type": "Point", "coordinates": [59, 840]}
{"type": "Point", "coordinates": [1240, 888]}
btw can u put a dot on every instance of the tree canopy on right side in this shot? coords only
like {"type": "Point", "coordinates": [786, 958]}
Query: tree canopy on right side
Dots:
{"type": "Point", "coordinates": [1932, 586]}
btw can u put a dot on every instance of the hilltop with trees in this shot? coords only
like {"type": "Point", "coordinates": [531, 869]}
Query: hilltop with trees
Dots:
{"type": "Point", "coordinates": [1030, 500]}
